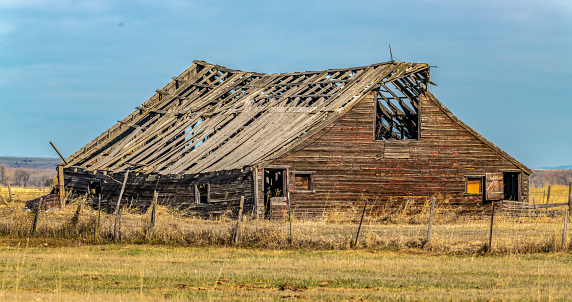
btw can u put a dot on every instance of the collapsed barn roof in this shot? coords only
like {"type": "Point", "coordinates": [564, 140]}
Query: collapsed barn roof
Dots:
{"type": "Point", "coordinates": [211, 118]}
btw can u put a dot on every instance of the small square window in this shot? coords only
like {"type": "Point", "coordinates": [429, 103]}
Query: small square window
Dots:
{"type": "Point", "coordinates": [303, 181]}
{"type": "Point", "coordinates": [474, 185]}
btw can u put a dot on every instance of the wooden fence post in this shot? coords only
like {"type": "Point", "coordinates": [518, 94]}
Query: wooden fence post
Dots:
{"type": "Point", "coordinates": [98, 214]}
{"type": "Point", "coordinates": [36, 215]}
{"type": "Point", "coordinates": [10, 191]}
{"type": "Point", "coordinates": [490, 247]}
{"type": "Point", "coordinates": [570, 197]}
{"type": "Point", "coordinates": [117, 226]}
{"type": "Point", "coordinates": [153, 211]}
{"type": "Point", "coordinates": [239, 219]}
{"type": "Point", "coordinates": [548, 195]}
{"type": "Point", "coordinates": [564, 228]}
{"type": "Point", "coordinates": [360, 223]}
{"type": "Point", "coordinates": [430, 227]}
{"type": "Point", "coordinates": [290, 218]}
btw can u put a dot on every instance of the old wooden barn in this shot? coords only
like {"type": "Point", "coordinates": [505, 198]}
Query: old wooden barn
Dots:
{"type": "Point", "coordinates": [325, 138]}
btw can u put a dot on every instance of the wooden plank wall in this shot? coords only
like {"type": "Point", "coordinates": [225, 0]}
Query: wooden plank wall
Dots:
{"type": "Point", "coordinates": [350, 166]}
{"type": "Point", "coordinates": [226, 188]}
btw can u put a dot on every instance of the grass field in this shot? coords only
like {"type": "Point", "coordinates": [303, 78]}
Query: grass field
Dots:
{"type": "Point", "coordinates": [69, 259]}
{"type": "Point", "coordinates": [152, 273]}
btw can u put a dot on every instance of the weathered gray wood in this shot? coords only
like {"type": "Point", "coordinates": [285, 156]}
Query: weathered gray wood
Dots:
{"type": "Point", "coordinates": [36, 215]}
{"type": "Point", "coordinates": [63, 159]}
{"type": "Point", "coordinates": [153, 212]}
{"type": "Point", "coordinates": [570, 197]}
{"type": "Point", "coordinates": [552, 205]}
{"type": "Point", "coordinates": [61, 186]}
{"type": "Point", "coordinates": [430, 226]}
{"type": "Point", "coordinates": [239, 219]}
{"type": "Point", "coordinates": [117, 226]}
{"type": "Point", "coordinates": [9, 191]}
{"type": "Point", "coordinates": [564, 228]}
{"type": "Point", "coordinates": [290, 218]}
{"type": "Point", "coordinates": [548, 195]}
{"type": "Point", "coordinates": [490, 246]}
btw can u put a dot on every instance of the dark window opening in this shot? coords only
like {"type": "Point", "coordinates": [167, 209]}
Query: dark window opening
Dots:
{"type": "Point", "coordinates": [511, 182]}
{"type": "Point", "coordinates": [95, 188]}
{"type": "Point", "coordinates": [397, 108]}
{"type": "Point", "coordinates": [303, 181]}
{"type": "Point", "coordinates": [274, 186]}
{"type": "Point", "coordinates": [202, 192]}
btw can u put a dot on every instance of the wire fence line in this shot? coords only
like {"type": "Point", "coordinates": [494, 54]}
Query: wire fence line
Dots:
{"type": "Point", "coordinates": [442, 229]}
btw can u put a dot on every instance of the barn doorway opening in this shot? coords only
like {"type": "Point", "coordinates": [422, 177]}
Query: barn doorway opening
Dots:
{"type": "Point", "coordinates": [511, 182]}
{"type": "Point", "coordinates": [274, 186]}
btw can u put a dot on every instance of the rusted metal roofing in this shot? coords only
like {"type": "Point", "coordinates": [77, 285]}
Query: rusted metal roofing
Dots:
{"type": "Point", "coordinates": [211, 118]}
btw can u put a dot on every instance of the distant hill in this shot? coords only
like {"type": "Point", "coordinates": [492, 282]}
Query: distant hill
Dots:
{"type": "Point", "coordinates": [559, 167]}
{"type": "Point", "coordinates": [29, 162]}
{"type": "Point", "coordinates": [547, 177]}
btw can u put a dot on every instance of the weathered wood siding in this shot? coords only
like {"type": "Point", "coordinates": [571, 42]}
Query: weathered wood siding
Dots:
{"type": "Point", "coordinates": [226, 188]}
{"type": "Point", "coordinates": [349, 165]}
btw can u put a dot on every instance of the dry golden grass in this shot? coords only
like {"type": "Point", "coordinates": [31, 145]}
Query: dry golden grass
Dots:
{"type": "Point", "coordinates": [399, 229]}
{"type": "Point", "coordinates": [35, 269]}
{"type": "Point", "coordinates": [23, 193]}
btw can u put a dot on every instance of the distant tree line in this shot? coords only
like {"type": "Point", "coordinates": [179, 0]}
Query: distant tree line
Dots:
{"type": "Point", "coordinates": [548, 177]}
{"type": "Point", "coordinates": [26, 177]}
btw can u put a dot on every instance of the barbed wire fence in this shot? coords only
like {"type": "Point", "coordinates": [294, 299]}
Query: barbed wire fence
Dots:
{"type": "Point", "coordinates": [431, 227]}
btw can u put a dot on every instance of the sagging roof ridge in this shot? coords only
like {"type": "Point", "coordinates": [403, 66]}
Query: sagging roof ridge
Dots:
{"type": "Point", "coordinates": [209, 94]}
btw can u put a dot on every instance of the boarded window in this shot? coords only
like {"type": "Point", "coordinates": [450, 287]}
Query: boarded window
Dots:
{"type": "Point", "coordinates": [303, 181]}
{"type": "Point", "coordinates": [474, 185]}
{"type": "Point", "coordinates": [495, 187]}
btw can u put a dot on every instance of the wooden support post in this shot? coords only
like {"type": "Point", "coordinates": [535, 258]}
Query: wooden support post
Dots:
{"type": "Point", "coordinates": [491, 228]}
{"type": "Point", "coordinates": [290, 218]}
{"type": "Point", "coordinates": [36, 215]}
{"type": "Point", "coordinates": [548, 195]}
{"type": "Point", "coordinates": [430, 227]}
{"type": "Point", "coordinates": [117, 226]}
{"type": "Point", "coordinates": [360, 223]}
{"type": "Point", "coordinates": [239, 219]}
{"type": "Point", "coordinates": [63, 159]}
{"type": "Point", "coordinates": [61, 186]}
{"type": "Point", "coordinates": [153, 213]}
{"type": "Point", "coordinates": [564, 228]}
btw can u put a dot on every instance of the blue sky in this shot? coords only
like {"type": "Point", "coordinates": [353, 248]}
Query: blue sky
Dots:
{"type": "Point", "coordinates": [69, 69]}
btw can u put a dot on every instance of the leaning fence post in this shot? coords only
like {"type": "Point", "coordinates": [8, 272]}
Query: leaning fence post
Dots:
{"type": "Point", "coordinates": [117, 226]}
{"type": "Point", "coordinates": [564, 228]}
{"type": "Point", "coordinates": [290, 218]}
{"type": "Point", "coordinates": [239, 218]}
{"type": "Point", "coordinates": [38, 208]}
{"type": "Point", "coordinates": [548, 195]}
{"type": "Point", "coordinates": [153, 211]}
{"type": "Point", "coordinates": [360, 222]}
{"type": "Point", "coordinates": [491, 229]}
{"type": "Point", "coordinates": [430, 227]}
